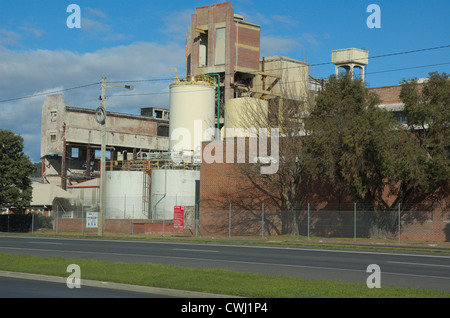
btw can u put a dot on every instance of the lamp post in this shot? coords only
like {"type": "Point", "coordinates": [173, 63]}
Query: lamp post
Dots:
{"type": "Point", "coordinates": [101, 119]}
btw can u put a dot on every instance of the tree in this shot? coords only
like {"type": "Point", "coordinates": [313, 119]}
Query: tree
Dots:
{"type": "Point", "coordinates": [427, 109]}
{"type": "Point", "coordinates": [15, 169]}
{"type": "Point", "coordinates": [355, 146]}
{"type": "Point", "coordinates": [361, 149]}
{"type": "Point", "coordinates": [286, 189]}
{"type": "Point", "coordinates": [351, 140]}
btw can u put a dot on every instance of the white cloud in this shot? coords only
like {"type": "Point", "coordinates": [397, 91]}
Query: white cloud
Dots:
{"type": "Point", "coordinates": [9, 37]}
{"type": "Point", "coordinates": [276, 45]}
{"type": "Point", "coordinates": [93, 25]}
{"type": "Point", "coordinates": [34, 31]}
{"type": "Point", "coordinates": [96, 12]}
{"type": "Point", "coordinates": [35, 72]}
{"type": "Point", "coordinates": [176, 23]}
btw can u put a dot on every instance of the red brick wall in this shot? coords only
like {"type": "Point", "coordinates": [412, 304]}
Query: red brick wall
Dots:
{"type": "Point", "coordinates": [223, 184]}
{"type": "Point", "coordinates": [118, 226]}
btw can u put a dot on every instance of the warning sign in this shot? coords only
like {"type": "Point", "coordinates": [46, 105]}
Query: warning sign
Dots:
{"type": "Point", "coordinates": [91, 219]}
{"type": "Point", "coordinates": [178, 217]}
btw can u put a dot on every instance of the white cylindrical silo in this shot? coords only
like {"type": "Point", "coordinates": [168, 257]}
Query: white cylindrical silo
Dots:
{"type": "Point", "coordinates": [125, 195]}
{"type": "Point", "coordinates": [170, 188]}
{"type": "Point", "coordinates": [192, 112]}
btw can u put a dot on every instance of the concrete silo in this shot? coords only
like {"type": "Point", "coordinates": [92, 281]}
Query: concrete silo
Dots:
{"type": "Point", "coordinates": [192, 113]}
{"type": "Point", "coordinates": [170, 188]}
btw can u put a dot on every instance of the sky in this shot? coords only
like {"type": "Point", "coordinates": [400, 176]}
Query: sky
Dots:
{"type": "Point", "coordinates": [141, 43]}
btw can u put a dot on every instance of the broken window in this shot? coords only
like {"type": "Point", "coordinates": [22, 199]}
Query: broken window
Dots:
{"type": "Point", "coordinates": [75, 152]}
{"type": "Point", "coordinates": [53, 115]}
{"type": "Point", "coordinates": [203, 50]}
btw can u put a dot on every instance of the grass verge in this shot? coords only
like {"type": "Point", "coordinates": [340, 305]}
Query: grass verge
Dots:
{"type": "Point", "coordinates": [210, 281]}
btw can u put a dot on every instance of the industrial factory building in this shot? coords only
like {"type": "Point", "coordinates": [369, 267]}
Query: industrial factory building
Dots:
{"type": "Point", "coordinates": [151, 165]}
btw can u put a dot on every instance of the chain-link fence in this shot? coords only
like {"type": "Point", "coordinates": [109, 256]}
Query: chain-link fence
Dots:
{"type": "Point", "coordinates": [128, 216]}
{"type": "Point", "coordinates": [339, 221]}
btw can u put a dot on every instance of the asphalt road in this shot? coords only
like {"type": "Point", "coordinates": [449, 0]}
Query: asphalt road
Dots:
{"type": "Point", "coordinates": [31, 288]}
{"type": "Point", "coordinates": [396, 269]}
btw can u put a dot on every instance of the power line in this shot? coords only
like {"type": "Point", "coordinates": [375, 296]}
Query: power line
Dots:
{"type": "Point", "coordinates": [279, 69]}
{"type": "Point", "coordinates": [285, 82]}
{"type": "Point", "coordinates": [48, 93]}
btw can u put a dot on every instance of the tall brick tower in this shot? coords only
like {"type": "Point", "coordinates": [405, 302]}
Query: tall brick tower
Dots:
{"type": "Point", "coordinates": [219, 41]}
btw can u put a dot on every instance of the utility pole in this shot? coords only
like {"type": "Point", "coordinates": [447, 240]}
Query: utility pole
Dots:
{"type": "Point", "coordinates": [101, 119]}
{"type": "Point", "coordinates": [101, 217]}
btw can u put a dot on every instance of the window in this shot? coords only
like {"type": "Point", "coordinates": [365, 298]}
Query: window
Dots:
{"type": "Point", "coordinates": [75, 153]}
{"type": "Point", "coordinates": [52, 137]}
{"type": "Point", "coordinates": [220, 46]}
{"type": "Point", "coordinates": [53, 115]}
{"type": "Point", "coordinates": [203, 50]}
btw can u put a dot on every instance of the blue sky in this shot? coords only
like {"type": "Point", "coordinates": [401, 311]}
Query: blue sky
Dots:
{"type": "Point", "coordinates": [142, 40]}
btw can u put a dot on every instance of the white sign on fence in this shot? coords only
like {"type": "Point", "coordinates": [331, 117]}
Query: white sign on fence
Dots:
{"type": "Point", "coordinates": [91, 219]}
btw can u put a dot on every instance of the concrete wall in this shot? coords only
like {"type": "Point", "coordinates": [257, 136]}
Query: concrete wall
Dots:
{"type": "Point", "coordinates": [291, 78]}
{"type": "Point", "coordinates": [66, 128]}
{"type": "Point", "coordinates": [78, 126]}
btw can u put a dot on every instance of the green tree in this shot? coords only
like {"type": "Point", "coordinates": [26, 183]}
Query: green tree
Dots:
{"type": "Point", "coordinates": [15, 169]}
{"type": "Point", "coordinates": [427, 109]}
{"type": "Point", "coordinates": [363, 152]}
{"type": "Point", "coordinates": [352, 141]}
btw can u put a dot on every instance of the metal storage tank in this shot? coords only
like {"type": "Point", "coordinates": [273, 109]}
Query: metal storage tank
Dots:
{"type": "Point", "coordinates": [170, 188]}
{"type": "Point", "coordinates": [191, 100]}
{"type": "Point", "coordinates": [125, 195]}
{"type": "Point", "coordinates": [242, 112]}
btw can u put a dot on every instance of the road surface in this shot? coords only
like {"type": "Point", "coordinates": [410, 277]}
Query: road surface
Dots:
{"type": "Point", "coordinates": [397, 269]}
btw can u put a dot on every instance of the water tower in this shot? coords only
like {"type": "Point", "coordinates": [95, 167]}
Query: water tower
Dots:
{"type": "Point", "coordinates": [349, 59]}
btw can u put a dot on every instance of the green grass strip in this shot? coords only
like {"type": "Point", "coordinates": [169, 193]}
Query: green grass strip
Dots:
{"type": "Point", "coordinates": [211, 280]}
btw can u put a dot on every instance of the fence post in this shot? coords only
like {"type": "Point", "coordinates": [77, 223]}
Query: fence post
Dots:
{"type": "Point", "coordinates": [32, 223]}
{"type": "Point", "coordinates": [56, 219]}
{"type": "Point", "coordinates": [82, 212]}
{"type": "Point", "coordinates": [354, 221]}
{"type": "Point", "coordinates": [262, 222]}
{"type": "Point", "coordinates": [308, 221]}
{"type": "Point", "coordinates": [196, 220]}
{"type": "Point", "coordinates": [229, 222]}
{"type": "Point", "coordinates": [399, 223]}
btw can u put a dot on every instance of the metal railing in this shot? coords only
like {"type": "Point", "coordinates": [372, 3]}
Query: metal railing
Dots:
{"type": "Point", "coordinates": [148, 165]}
{"type": "Point", "coordinates": [196, 79]}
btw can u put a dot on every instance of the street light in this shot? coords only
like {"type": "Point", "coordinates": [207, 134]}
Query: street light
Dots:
{"type": "Point", "coordinates": [101, 119]}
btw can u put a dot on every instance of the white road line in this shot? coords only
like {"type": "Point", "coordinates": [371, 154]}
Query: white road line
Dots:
{"type": "Point", "coordinates": [54, 243]}
{"type": "Point", "coordinates": [420, 264]}
{"type": "Point", "coordinates": [194, 250]}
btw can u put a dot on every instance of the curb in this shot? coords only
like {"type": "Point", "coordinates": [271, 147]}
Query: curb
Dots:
{"type": "Point", "coordinates": [119, 286]}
